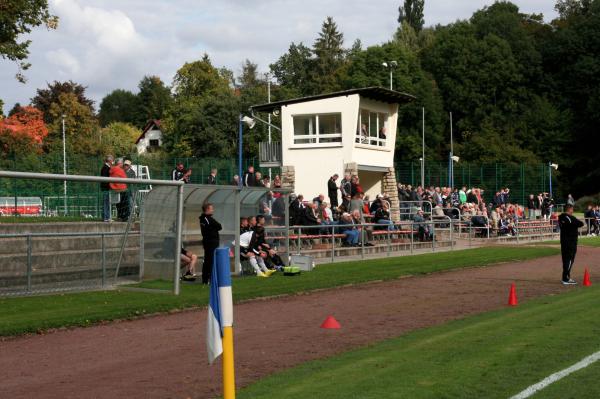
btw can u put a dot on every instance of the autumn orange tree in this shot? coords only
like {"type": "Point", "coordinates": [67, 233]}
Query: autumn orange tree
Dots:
{"type": "Point", "coordinates": [23, 131]}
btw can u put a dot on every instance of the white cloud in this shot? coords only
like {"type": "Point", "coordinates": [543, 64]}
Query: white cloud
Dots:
{"type": "Point", "coordinates": [108, 44]}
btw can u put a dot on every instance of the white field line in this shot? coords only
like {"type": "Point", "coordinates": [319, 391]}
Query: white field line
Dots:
{"type": "Point", "coordinates": [557, 376]}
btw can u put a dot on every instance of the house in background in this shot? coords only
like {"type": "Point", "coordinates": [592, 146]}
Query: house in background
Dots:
{"type": "Point", "coordinates": [352, 131]}
{"type": "Point", "coordinates": [151, 138]}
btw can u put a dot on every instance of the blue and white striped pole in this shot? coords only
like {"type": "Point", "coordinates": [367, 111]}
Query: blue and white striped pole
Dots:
{"type": "Point", "coordinates": [219, 332]}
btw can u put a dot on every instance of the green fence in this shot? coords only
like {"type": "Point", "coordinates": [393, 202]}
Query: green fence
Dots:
{"type": "Point", "coordinates": [522, 179]}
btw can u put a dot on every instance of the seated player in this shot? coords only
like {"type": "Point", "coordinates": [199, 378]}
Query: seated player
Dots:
{"type": "Point", "coordinates": [250, 251]}
{"type": "Point", "coordinates": [188, 261]}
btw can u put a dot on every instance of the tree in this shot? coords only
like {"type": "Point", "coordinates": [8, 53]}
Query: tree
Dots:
{"type": "Point", "coordinates": [119, 138]}
{"type": "Point", "coordinates": [412, 13]}
{"type": "Point", "coordinates": [18, 18]}
{"type": "Point", "coordinates": [119, 106]}
{"type": "Point", "coordinates": [292, 70]}
{"type": "Point", "coordinates": [46, 97]}
{"type": "Point", "coordinates": [1, 108]}
{"type": "Point", "coordinates": [154, 98]}
{"type": "Point", "coordinates": [249, 77]}
{"type": "Point", "coordinates": [198, 78]}
{"type": "Point", "coordinates": [82, 130]}
{"type": "Point", "coordinates": [23, 131]}
{"type": "Point", "coordinates": [15, 109]}
{"type": "Point", "coordinates": [329, 57]}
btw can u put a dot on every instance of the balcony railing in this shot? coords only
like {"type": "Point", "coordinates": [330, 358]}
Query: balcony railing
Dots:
{"type": "Point", "coordinates": [269, 154]}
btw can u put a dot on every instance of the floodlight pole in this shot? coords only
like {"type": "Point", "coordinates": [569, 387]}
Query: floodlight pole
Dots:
{"type": "Point", "coordinates": [240, 145]}
{"type": "Point", "coordinates": [269, 118]}
{"type": "Point", "coordinates": [64, 143]}
{"type": "Point", "coordinates": [550, 178]}
{"type": "Point", "coordinates": [451, 171]}
{"type": "Point", "coordinates": [423, 155]}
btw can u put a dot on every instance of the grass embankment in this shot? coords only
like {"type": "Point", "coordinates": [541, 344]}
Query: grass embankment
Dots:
{"type": "Point", "coordinates": [32, 314]}
{"type": "Point", "coordinates": [493, 355]}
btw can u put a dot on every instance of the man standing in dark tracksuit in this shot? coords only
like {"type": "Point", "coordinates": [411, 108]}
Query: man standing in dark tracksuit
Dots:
{"type": "Point", "coordinates": [210, 239]}
{"type": "Point", "coordinates": [332, 190]}
{"type": "Point", "coordinates": [569, 231]}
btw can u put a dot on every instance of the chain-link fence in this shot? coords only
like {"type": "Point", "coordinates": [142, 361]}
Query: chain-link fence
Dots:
{"type": "Point", "coordinates": [522, 179]}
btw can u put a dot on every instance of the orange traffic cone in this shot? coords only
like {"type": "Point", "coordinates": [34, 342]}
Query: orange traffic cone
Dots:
{"type": "Point", "coordinates": [586, 279]}
{"type": "Point", "coordinates": [331, 323]}
{"type": "Point", "coordinates": [512, 296]}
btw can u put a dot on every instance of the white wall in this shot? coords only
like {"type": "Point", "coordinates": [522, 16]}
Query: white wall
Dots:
{"type": "Point", "coordinates": [153, 134]}
{"type": "Point", "coordinates": [315, 163]}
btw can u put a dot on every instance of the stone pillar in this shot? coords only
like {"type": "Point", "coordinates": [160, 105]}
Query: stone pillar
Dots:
{"type": "Point", "coordinates": [391, 190]}
{"type": "Point", "coordinates": [288, 177]}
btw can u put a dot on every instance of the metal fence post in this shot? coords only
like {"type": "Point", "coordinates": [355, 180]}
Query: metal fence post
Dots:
{"type": "Point", "coordinates": [412, 235]}
{"type": "Point", "coordinates": [451, 238]}
{"type": "Point", "coordinates": [362, 241]}
{"type": "Point", "coordinates": [390, 238]}
{"type": "Point", "coordinates": [299, 249]}
{"type": "Point", "coordinates": [470, 234]}
{"type": "Point", "coordinates": [29, 265]}
{"type": "Point", "coordinates": [178, 232]}
{"type": "Point", "coordinates": [332, 244]}
{"type": "Point", "coordinates": [103, 260]}
{"type": "Point", "coordinates": [433, 234]}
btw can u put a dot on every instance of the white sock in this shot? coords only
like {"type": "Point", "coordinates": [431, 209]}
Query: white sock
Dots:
{"type": "Point", "coordinates": [252, 261]}
{"type": "Point", "coordinates": [261, 262]}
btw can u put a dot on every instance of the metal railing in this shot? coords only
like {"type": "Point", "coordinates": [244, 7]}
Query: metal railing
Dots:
{"type": "Point", "coordinates": [336, 239]}
{"type": "Point", "coordinates": [410, 208]}
{"type": "Point", "coordinates": [58, 285]}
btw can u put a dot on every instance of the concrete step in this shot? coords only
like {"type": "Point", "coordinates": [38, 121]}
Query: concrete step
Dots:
{"type": "Point", "coordinates": [18, 246]}
{"type": "Point", "coordinates": [378, 248]}
{"type": "Point", "coordinates": [66, 227]}
{"type": "Point", "coordinates": [49, 261]}
{"type": "Point", "coordinates": [63, 278]}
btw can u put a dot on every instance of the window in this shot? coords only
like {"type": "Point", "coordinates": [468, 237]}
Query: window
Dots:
{"type": "Point", "coordinates": [319, 128]}
{"type": "Point", "coordinates": [372, 128]}
{"type": "Point", "coordinates": [154, 143]}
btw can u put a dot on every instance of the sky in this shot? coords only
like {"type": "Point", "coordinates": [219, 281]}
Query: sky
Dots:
{"type": "Point", "coordinates": [112, 44]}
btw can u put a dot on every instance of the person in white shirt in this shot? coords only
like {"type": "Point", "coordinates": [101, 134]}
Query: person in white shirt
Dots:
{"type": "Point", "coordinates": [250, 251]}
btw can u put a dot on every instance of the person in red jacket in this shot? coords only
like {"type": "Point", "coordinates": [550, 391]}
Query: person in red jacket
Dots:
{"type": "Point", "coordinates": [123, 206]}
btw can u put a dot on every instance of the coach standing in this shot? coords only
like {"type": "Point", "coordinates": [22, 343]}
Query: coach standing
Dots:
{"type": "Point", "coordinates": [210, 239]}
{"type": "Point", "coordinates": [332, 190]}
{"type": "Point", "coordinates": [569, 231]}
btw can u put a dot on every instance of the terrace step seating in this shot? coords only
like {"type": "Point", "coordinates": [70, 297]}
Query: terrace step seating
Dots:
{"type": "Point", "coordinates": [65, 262]}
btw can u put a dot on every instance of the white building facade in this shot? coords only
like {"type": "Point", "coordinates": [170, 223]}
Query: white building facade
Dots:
{"type": "Point", "coordinates": [150, 139]}
{"type": "Point", "coordinates": [346, 132]}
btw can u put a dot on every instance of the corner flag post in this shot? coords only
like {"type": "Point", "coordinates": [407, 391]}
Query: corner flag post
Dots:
{"type": "Point", "coordinates": [223, 281]}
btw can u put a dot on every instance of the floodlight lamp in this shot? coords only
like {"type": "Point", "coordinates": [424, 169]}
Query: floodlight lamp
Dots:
{"type": "Point", "coordinates": [455, 158]}
{"type": "Point", "coordinates": [394, 64]}
{"type": "Point", "coordinates": [385, 64]}
{"type": "Point", "coordinates": [249, 121]}
{"type": "Point", "coordinates": [554, 165]}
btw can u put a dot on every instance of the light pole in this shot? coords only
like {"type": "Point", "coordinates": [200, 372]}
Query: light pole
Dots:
{"type": "Point", "coordinates": [64, 143]}
{"type": "Point", "coordinates": [268, 77]}
{"type": "Point", "coordinates": [423, 154]}
{"type": "Point", "coordinates": [550, 167]}
{"type": "Point", "coordinates": [391, 65]}
{"type": "Point", "coordinates": [451, 171]}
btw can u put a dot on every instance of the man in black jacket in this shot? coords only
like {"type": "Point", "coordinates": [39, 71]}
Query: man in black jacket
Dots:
{"type": "Point", "coordinates": [569, 231]}
{"type": "Point", "coordinates": [210, 239]}
{"type": "Point", "coordinates": [249, 179]}
{"type": "Point", "coordinates": [105, 188]}
{"type": "Point", "coordinates": [332, 191]}
{"type": "Point", "coordinates": [212, 177]}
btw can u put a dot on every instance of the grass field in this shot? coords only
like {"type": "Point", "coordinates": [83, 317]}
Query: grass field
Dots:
{"type": "Point", "coordinates": [33, 314]}
{"type": "Point", "coordinates": [585, 241]}
{"type": "Point", "coordinates": [494, 355]}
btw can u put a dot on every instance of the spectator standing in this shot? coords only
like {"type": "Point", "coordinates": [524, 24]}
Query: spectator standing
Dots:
{"type": "Point", "coordinates": [531, 206]}
{"type": "Point", "coordinates": [212, 177]}
{"type": "Point", "coordinates": [131, 188]}
{"type": "Point", "coordinates": [570, 200]}
{"type": "Point", "coordinates": [235, 181]}
{"type": "Point", "coordinates": [121, 188]}
{"type": "Point", "coordinates": [332, 190]}
{"type": "Point", "coordinates": [209, 228]}
{"type": "Point", "coordinates": [569, 232]}
{"type": "Point", "coordinates": [462, 195]}
{"type": "Point", "coordinates": [258, 182]}
{"type": "Point", "coordinates": [249, 179]}
{"type": "Point", "coordinates": [105, 188]}
{"type": "Point", "coordinates": [180, 173]}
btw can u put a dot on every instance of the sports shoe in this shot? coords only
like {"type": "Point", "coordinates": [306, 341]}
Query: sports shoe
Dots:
{"type": "Point", "coordinates": [270, 272]}
{"type": "Point", "coordinates": [261, 274]}
{"type": "Point", "coordinates": [569, 282]}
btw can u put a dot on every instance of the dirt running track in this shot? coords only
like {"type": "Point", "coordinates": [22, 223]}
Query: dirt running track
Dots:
{"type": "Point", "coordinates": [164, 356]}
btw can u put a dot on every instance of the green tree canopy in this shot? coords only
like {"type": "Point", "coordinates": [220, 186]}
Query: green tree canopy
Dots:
{"type": "Point", "coordinates": [17, 18]}
{"type": "Point", "coordinates": [119, 106]}
{"type": "Point", "coordinates": [44, 98]}
{"type": "Point", "coordinates": [411, 12]}
{"type": "Point", "coordinates": [154, 97]}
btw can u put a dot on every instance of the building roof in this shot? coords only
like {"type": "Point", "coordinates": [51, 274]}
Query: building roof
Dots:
{"type": "Point", "coordinates": [149, 125]}
{"type": "Point", "coordinates": [374, 93]}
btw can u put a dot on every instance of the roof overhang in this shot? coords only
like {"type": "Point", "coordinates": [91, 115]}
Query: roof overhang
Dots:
{"type": "Point", "coordinates": [369, 168]}
{"type": "Point", "coordinates": [373, 93]}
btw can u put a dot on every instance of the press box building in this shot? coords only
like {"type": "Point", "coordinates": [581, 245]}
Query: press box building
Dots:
{"type": "Point", "coordinates": [352, 131]}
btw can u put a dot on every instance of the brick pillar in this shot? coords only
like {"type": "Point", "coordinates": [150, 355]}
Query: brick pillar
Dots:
{"type": "Point", "coordinates": [391, 190]}
{"type": "Point", "coordinates": [288, 177]}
